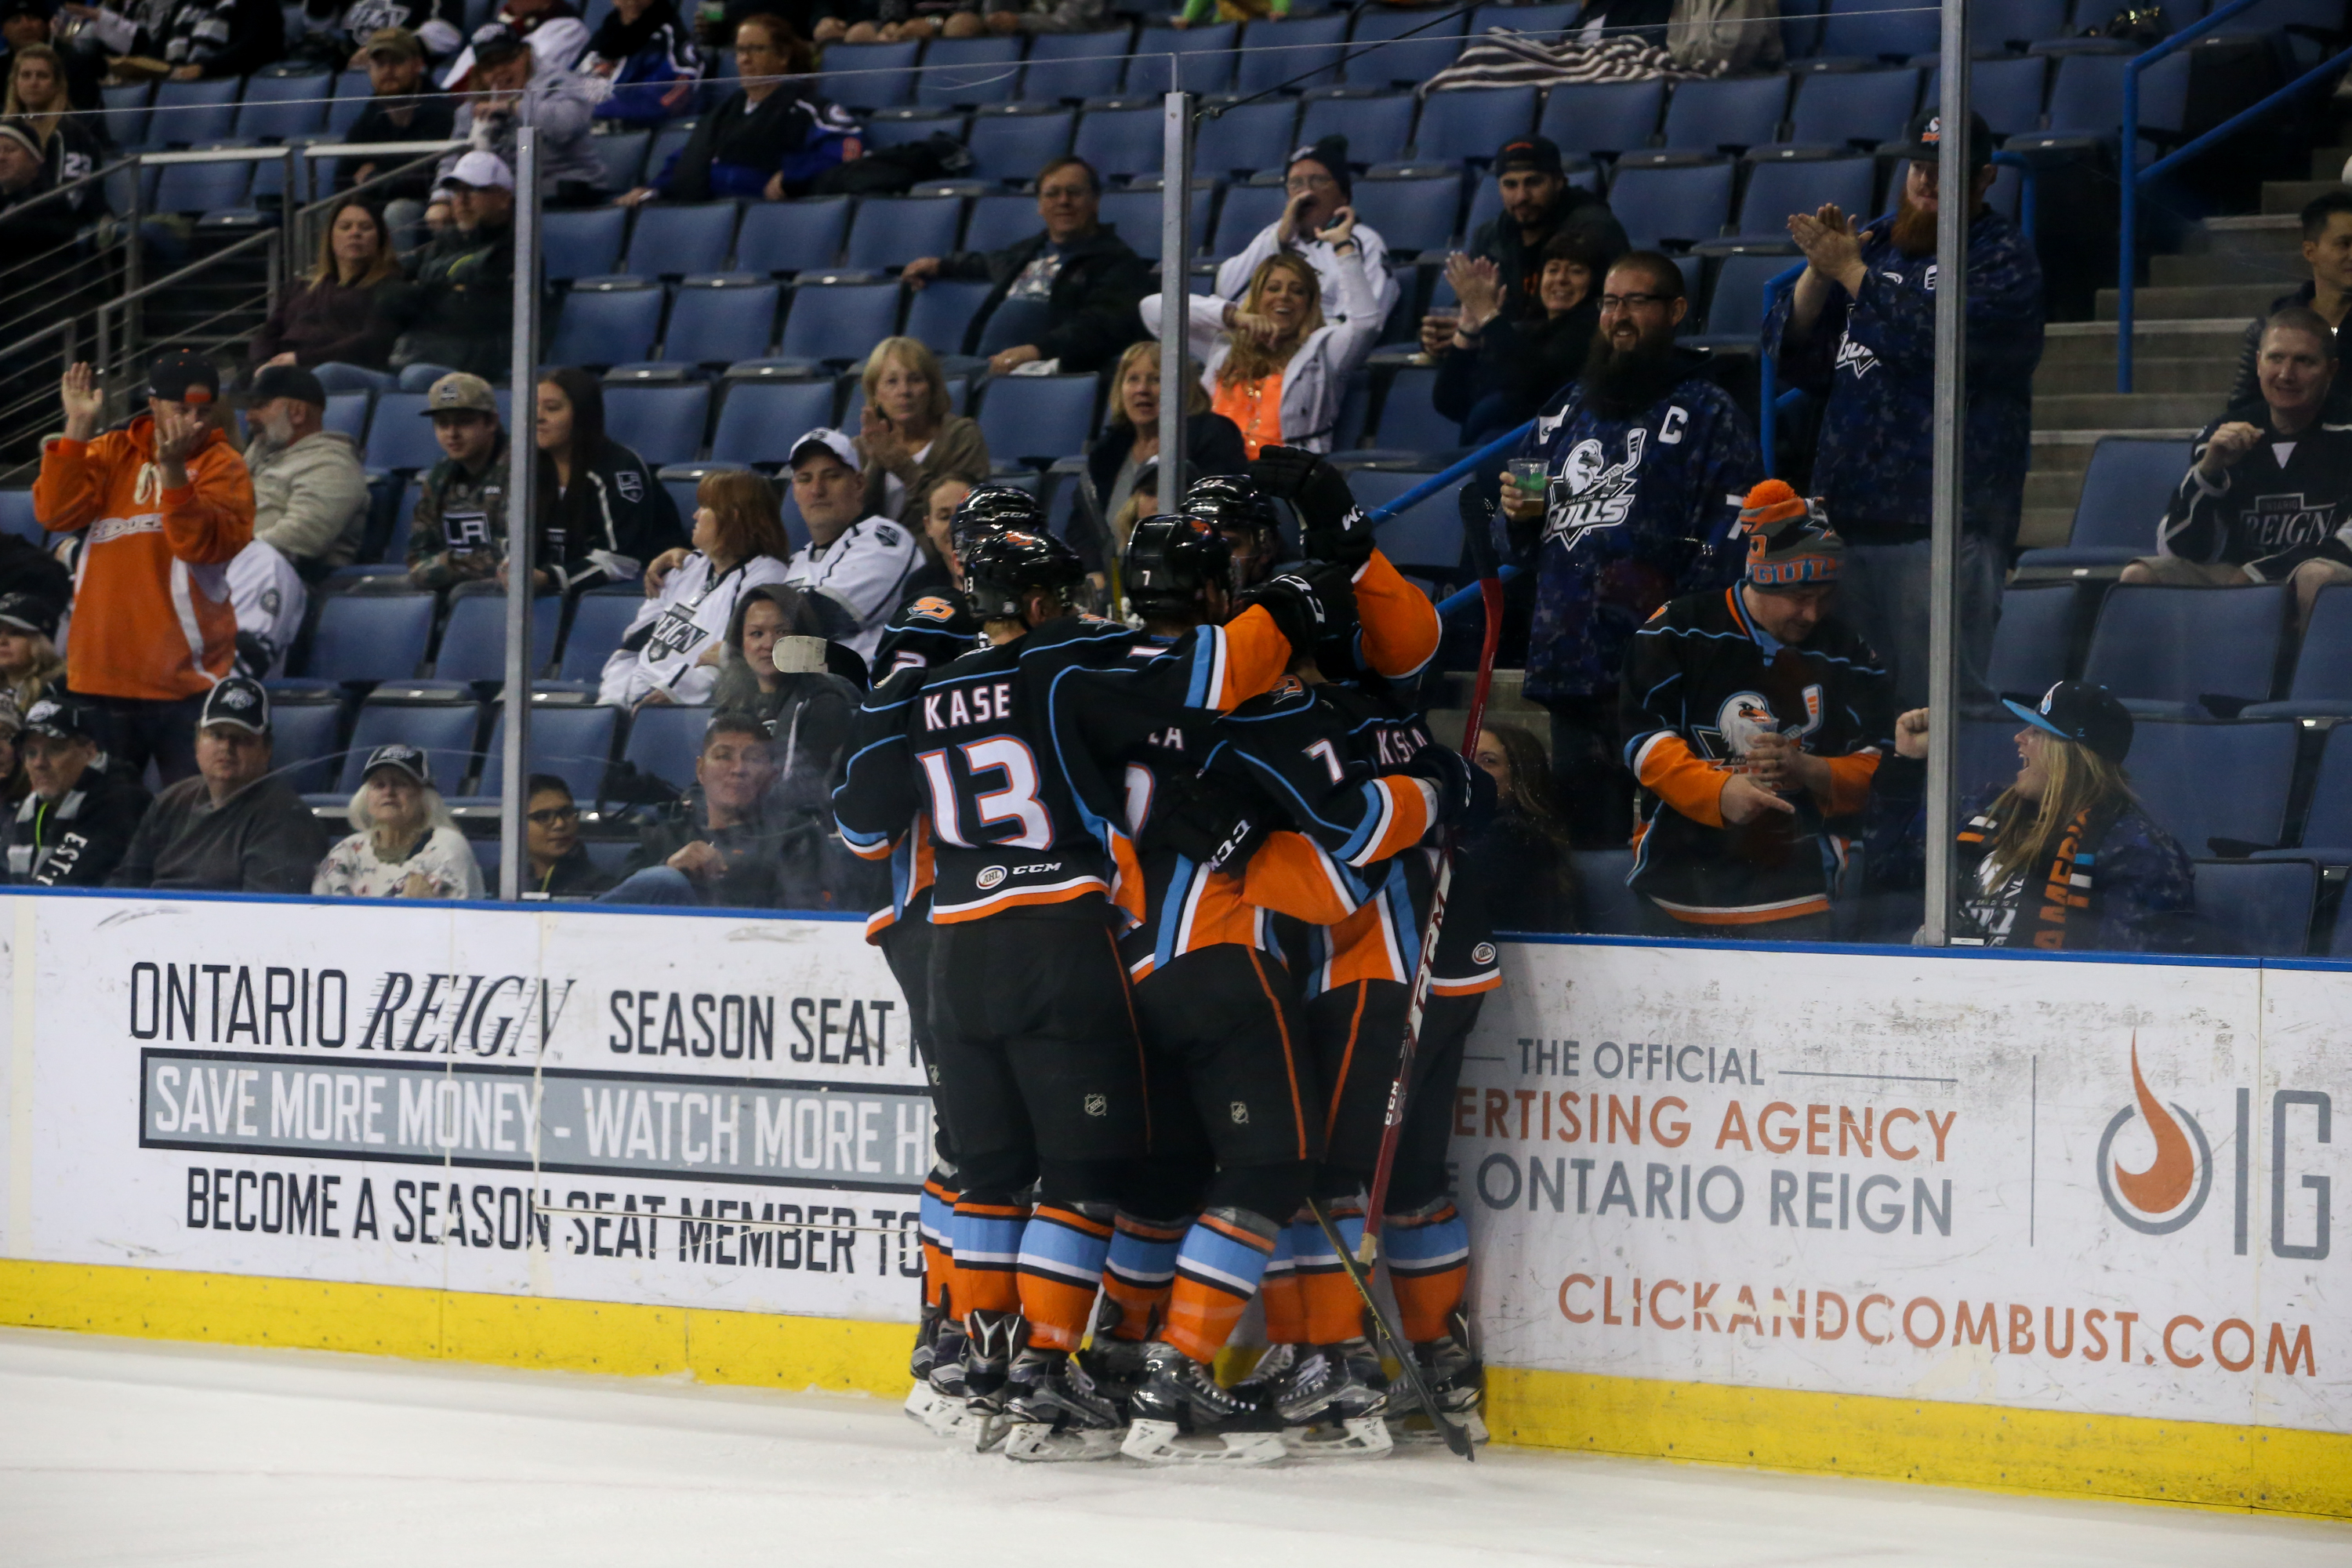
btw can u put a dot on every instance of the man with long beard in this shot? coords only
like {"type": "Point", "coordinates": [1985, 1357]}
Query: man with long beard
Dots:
{"type": "Point", "coordinates": [1646, 461]}
{"type": "Point", "coordinates": [1859, 331]}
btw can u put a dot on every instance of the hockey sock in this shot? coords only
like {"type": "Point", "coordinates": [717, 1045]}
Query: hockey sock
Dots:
{"type": "Point", "coordinates": [1429, 1267]}
{"type": "Point", "coordinates": [938, 1207]}
{"type": "Point", "coordinates": [1334, 1312]}
{"type": "Point", "coordinates": [1063, 1249]}
{"type": "Point", "coordinates": [1140, 1270]}
{"type": "Point", "coordinates": [986, 1239]}
{"type": "Point", "coordinates": [1218, 1271]}
{"type": "Point", "coordinates": [1285, 1305]}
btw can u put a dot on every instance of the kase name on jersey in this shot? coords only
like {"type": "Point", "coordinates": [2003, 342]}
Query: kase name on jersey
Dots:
{"type": "Point", "coordinates": [963, 706]}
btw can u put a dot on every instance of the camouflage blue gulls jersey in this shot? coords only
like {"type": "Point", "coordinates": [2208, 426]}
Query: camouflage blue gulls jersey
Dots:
{"type": "Point", "coordinates": [1637, 512]}
{"type": "Point", "coordinates": [1871, 357]}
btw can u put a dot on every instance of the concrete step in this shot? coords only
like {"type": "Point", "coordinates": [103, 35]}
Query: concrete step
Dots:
{"type": "Point", "coordinates": [2327, 162]}
{"type": "Point", "coordinates": [2244, 300]}
{"type": "Point", "coordinates": [2207, 374]}
{"type": "Point", "coordinates": [2124, 411]}
{"type": "Point", "coordinates": [2223, 268]}
{"type": "Point", "coordinates": [2065, 342]}
{"type": "Point", "coordinates": [2289, 195]}
{"type": "Point", "coordinates": [2265, 233]}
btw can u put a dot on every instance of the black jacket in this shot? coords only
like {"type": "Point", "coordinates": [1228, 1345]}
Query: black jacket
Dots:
{"type": "Point", "coordinates": [437, 113]}
{"type": "Point", "coordinates": [1523, 361]}
{"type": "Point", "coordinates": [615, 517]}
{"type": "Point", "coordinates": [1520, 260]}
{"type": "Point", "coordinates": [775, 861]}
{"type": "Point", "coordinates": [78, 841]}
{"type": "Point", "coordinates": [460, 310]}
{"type": "Point", "coordinates": [757, 136]}
{"type": "Point", "coordinates": [1212, 445]}
{"type": "Point", "coordinates": [262, 840]}
{"type": "Point", "coordinates": [1093, 300]}
{"type": "Point", "coordinates": [573, 877]}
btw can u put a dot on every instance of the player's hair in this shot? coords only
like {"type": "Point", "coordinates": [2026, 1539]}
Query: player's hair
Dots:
{"type": "Point", "coordinates": [1665, 277]}
{"type": "Point", "coordinates": [917, 356]}
{"type": "Point", "coordinates": [2075, 779]}
{"type": "Point", "coordinates": [1251, 361]}
{"type": "Point", "coordinates": [1094, 179]}
{"type": "Point", "coordinates": [1196, 396]}
{"type": "Point", "coordinates": [751, 520]}
{"type": "Point", "coordinates": [2316, 212]}
{"type": "Point", "coordinates": [2303, 319]}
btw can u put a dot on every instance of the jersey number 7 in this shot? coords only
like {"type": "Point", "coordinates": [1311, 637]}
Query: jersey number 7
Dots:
{"type": "Point", "coordinates": [1016, 803]}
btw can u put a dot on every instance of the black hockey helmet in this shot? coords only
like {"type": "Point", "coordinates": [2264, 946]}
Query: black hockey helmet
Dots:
{"type": "Point", "coordinates": [1169, 559]}
{"type": "Point", "coordinates": [993, 509]}
{"type": "Point", "coordinates": [1002, 570]}
{"type": "Point", "coordinates": [1244, 514]}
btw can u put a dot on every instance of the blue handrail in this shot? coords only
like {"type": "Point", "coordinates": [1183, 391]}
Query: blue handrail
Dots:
{"type": "Point", "coordinates": [2133, 176]}
{"type": "Point", "coordinates": [1461, 469]}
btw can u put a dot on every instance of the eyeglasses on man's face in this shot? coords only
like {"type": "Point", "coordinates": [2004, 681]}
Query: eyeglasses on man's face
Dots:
{"type": "Point", "coordinates": [549, 815]}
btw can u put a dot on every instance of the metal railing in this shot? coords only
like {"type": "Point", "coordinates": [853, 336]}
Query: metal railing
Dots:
{"type": "Point", "coordinates": [2135, 177]}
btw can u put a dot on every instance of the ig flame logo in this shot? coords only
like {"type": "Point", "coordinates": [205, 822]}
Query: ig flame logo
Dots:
{"type": "Point", "coordinates": [2158, 1200]}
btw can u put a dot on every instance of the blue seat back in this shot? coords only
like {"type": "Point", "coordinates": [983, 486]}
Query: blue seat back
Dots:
{"type": "Point", "coordinates": [1037, 416]}
{"type": "Point", "coordinates": [2323, 666]}
{"type": "Point", "coordinates": [191, 113]}
{"type": "Point", "coordinates": [2178, 769]}
{"type": "Point", "coordinates": [2029, 651]}
{"type": "Point", "coordinates": [370, 636]}
{"type": "Point", "coordinates": [891, 231]}
{"type": "Point", "coordinates": [759, 420]}
{"type": "Point", "coordinates": [302, 737]}
{"type": "Point", "coordinates": [1119, 142]}
{"type": "Point", "coordinates": [598, 621]}
{"type": "Point", "coordinates": [1247, 210]}
{"type": "Point", "coordinates": [125, 112]}
{"type": "Point", "coordinates": [474, 640]}
{"type": "Point", "coordinates": [352, 91]}
{"type": "Point", "coordinates": [1411, 213]}
{"type": "Point", "coordinates": [444, 731]}
{"type": "Point", "coordinates": [1436, 39]}
{"type": "Point", "coordinates": [1733, 112]}
{"type": "Point", "coordinates": [2329, 823]}
{"type": "Point", "coordinates": [582, 243]}
{"type": "Point", "coordinates": [347, 414]}
{"type": "Point", "coordinates": [1426, 539]}
{"type": "Point", "coordinates": [1276, 52]}
{"type": "Point", "coordinates": [1410, 421]}
{"type": "Point", "coordinates": [1016, 146]}
{"type": "Point", "coordinates": [606, 326]}
{"type": "Point", "coordinates": [624, 156]}
{"type": "Point", "coordinates": [400, 436]}
{"type": "Point", "coordinates": [660, 424]}
{"type": "Point", "coordinates": [1844, 109]}
{"type": "Point", "coordinates": [1737, 306]}
{"type": "Point", "coordinates": [1687, 204]}
{"type": "Point", "coordinates": [717, 323]}
{"type": "Point", "coordinates": [792, 236]}
{"type": "Point", "coordinates": [938, 316]}
{"type": "Point", "coordinates": [200, 187]}
{"type": "Point", "coordinates": [1867, 28]}
{"type": "Point", "coordinates": [2015, 24]}
{"type": "Point", "coordinates": [1072, 66]}
{"type": "Point", "coordinates": [277, 107]}
{"type": "Point", "coordinates": [1246, 138]}
{"type": "Point", "coordinates": [2258, 907]}
{"type": "Point", "coordinates": [1610, 117]}
{"type": "Point", "coordinates": [666, 741]}
{"type": "Point", "coordinates": [1205, 58]}
{"type": "Point", "coordinates": [674, 238]}
{"type": "Point", "coordinates": [1779, 188]}
{"type": "Point", "coordinates": [838, 320]}
{"type": "Point", "coordinates": [900, 131]}
{"type": "Point", "coordinates": [1537, 21]}
{"type": "Point", "coordinates": [2176, 645]}
{"type": "Point", "coordinates": [16, 516]}
{"type": "Point", "coordinates": [2086, 95]}
{"type": "Point", "coordinates": [1471, 122]}
{"type": "Point", "coordinates": [999, 221]}
{"type": "Point", "coordinates": [2008, 93]}
{"type": "Point", "coordinates": [1377, 128]}
{"type": "Point", "coordinates": [575, 745]}
{"type": "Point", "coordinates": [868, 76]}
{"type": "Point", "coordinates": [2125, 489]}
{"type": "Point", "coordinates": [1136, 217]}
{"type": "Point", "coordinates": [966, 71]}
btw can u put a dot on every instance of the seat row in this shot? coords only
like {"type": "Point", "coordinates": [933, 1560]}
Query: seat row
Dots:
{"type": "Point", "coordinates": [2180, 651]}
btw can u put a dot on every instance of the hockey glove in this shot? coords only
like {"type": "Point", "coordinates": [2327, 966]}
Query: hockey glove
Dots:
{"type": "Point", "coordinates": [1333, 526]}
{"type": "Point", "coordinates": [1457, 781]}
{"type": "Point", "coordinates": [1210, 819]}
{"type": "Point", "coordinates": [1313, 600]}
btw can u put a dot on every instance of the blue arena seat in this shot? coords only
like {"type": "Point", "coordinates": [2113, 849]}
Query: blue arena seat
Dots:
{"type": "Point", "coordinates": [1280, 52]}
{"type": "Point", "coordinates": [891, 231]}
{"type": "Point", "coordinates": [1205, 58]}
{"type": "Point", "coordinates": [473, 641]}
{"type": "Point", "coordinates": [1247, 210]}
{"type": "Point", "coordinates": [2016, 25]}
{"type": "Point", "coordinates": [1024, 417]}
{"type": "Point", "coordinates": [1246, 138]}
{"type": "Point", "coordinates": [968, 72]}
{"type": "Point", "coordinates": [1069, 66]}
{"type": "Point", "coordinates": [1471, 122]}
{"type": "Point", "coordinates": [1425, 540]}
{"type": "Point", "coordinates": [660, 424]}
{"type": "Point", "coordinates": [1674, 204]}
{"type": "Point", "coordinates": [1412, 214]}
{"type": "Point", "coordinates": [1871, 30]}
{"type": "Point", "coordinates": [838, 320]}
{"type": "Point", "coordinates": [347, 414]}
{"type": "Point", "coordinates": [669, 143]}
{"type": "Point", "coordinates": [939, 314]}
{"type": "Point", "coordinates": [2086, 95]}
{"type": "Point", "coordinates": [714, 319]}
{"type": "Point", "coordinates": [200, 187]}
{"type": "Point", "coordinates": [1733, 112]}
{"type": "Point", "coordinates": [575, 745]}
{"type": "Point", "coordinates": [443, 730]}
{"type": "Point", "coordinates": [1610, 117]}
{"type": "Point", "coordinates": [2262, 908]}
{"type": "Point", "coordinates": [125, 112]}
{"type": "Point", "coordinates": [582, 243]}
{"type": "Point", "coordinates": [998, 221]}
{"type": "Point", "coordinates": [283, 101]}
{"type": "Point", "coordinates": [1854, 108]}
{"type": "Point", "coordinates": [2323, 666]}
{"type": "Point", "coordinates": [1408, 420]}
{"type": "Point", "coordinates": [2129, 484]}
{"type": "Point", "coordinates": [1735, 309]}
{"type": "Point", "coordinates": [665, 742]}
{"type": "Point", "coordinates": [2029, 651]}
{"type": "Point", "coordinates": [2177, 645]}
{"type": "Point", "coordinates": [352, 92]}
{"type": "Point", "coordinates": [2177, 766]}
{"type": "Point", "coordinates": [615, 324]}
{"type": "Point", "coordinates": [1377, 126]}
{"type": "Point", "coordinates": [673, 238]}
{"type": "Point", "coordinates": [759, 420]}
{"type": "Point", "coordinates": [1014, 144]}
{"type": "Point", "coordinates": [904, 128]}
{"type": "Point", "coordinates": [1407, 62]}
{"type": "Point", "coordinates": [399, 436]}
{"type": "Point", "coordinates": [624, 156]}
{"type": "Point", "coordinates": [17, 517]}
{"type": "Point", "coordinates": [302, 736]}
{"type": "Point", "coordinates": [868, 76]}
{"type": "Point", "coordinates": [2007, 93]}
{"type": "Point", "coordinates": [1779, 186]}
{"type": "Point", "coordinates": [1134, 214]}
{"type": "Point", "coordinates": [1121, 142]}
{"type": "Point", "coordinates": [598, 621]}
{"type": "Point", "coordinates": [192, 113]}
{"type": "Point", "coordinates": [370, 636]}
{"type": "Point", "coordinates": [2327, 826]}
{"type": "Point", "coordinates": [793, 236]}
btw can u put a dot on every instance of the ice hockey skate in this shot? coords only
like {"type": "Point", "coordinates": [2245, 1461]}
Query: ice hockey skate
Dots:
{"type": "Point", "coordinates": [1455, 1375]}
{"type": "Point", "coordinates": [1053, 1413]}
{"type": "Point", "coordinates": [1180, 1416]}
{"type": "Point", "coordinates": [1330, 1403]}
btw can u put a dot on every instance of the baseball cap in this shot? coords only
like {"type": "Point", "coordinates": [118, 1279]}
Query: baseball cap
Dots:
{"type": "Point", "coordinates": [1525, 153]}
{"type": "Point", "coordinates": [458, 393]}
{"type": "Point", "coordinates": [397, 42]}
{"type": "Point", "coordinates": [2075, 711]}
{"type": "Point", "coordinates": [825, 439]}
{"type": "Point", "coordinates": [1927, 138]}
{"type": "Point", "coordinates": [287, 380]}
{"type": "Point", "coordinates": [30, 612]}
{"type": "Point", "coordinates": [239, 702]}
{"type": "Point", "coordinates": [480, 171]}
{"type": "Point", "coordinates": [398, 754]}
{"type": "Point", "coordinates": [176, 375]}
{"type": "Point", "coordinates": [58, 718]}
{"type": "Point", "coordinates": [494, 42]}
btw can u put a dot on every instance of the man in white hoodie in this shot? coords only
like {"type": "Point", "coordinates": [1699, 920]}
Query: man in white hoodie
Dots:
{"type": "Point", "coordinates": [309, 493]}
{"type": "Point", "coordinates": [860, 564]}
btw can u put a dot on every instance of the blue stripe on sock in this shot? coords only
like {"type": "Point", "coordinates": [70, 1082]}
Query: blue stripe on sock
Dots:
{"type": "Point", "coordinates": [936, 1220]}
{"type": "Point", "coordinates": [1212, 1255]}
{"type": "Point", "coordinates": [1428, 1246]}
{"type": "Point", "coordinates": [1314, 1252]}
{"type": "Point", "coordinates": [1140, 1260]}
{"type": "Point", "coordinates": [985, 1240]}
{"type": "Point", "coordinates": [1048, 1247]}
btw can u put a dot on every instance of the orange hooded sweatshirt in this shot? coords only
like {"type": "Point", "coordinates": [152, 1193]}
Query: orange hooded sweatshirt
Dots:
{"type": "Point", "coordinates": [151, 617]}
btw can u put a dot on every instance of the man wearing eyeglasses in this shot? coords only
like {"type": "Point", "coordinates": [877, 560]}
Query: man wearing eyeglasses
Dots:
{"type": "Point", "coordinates": [1316, 186]}
{"type": "Point", "coordinates": [1644, 461]}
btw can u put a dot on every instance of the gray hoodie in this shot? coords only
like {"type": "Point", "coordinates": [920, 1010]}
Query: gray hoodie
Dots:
{"type": "Point", "coordinates": [310, 499]}
{"type": "Point", "coordinates": [561, 107]}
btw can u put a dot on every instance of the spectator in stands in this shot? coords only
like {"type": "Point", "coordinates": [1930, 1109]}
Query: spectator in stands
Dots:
{"type": "Point", "coordinates": [168, 504]}
{"type": "Point", "coordinates": [2069, 820]}
{"type": "Point", "coordinates": [2327, 252]}
{"type": "Point", "coordinates": [30, 664]}
{"type": "Point", "coordinates": [601, 513]}
{"type": "Point", "coordinates": [1754, 719]}
{"type": "Point", "coordinates": [1519, 859]}
{"type": "Point", "coordinates": [309, 493]}
{"type": "Point", "coordinates": [1496, 369]}
{"type": "Point", "coordinates": [72, 826]}
{"type": "Point", "coordinates": [672, 649]}
{"type": "Point", "coordinates": [969, 19]}
{"type": "Point", "coordinates": [191, 38]}
{"type": "Point", "coordinates": [511, 87]}
{"type": "Point", "coordinates": [459, 531]}
{"type": "Point", "coordinates": [858, 560]}
{"type": "Point", "coordinates": [909, 437]}
{"type": "Point", "coordinates": [336, 35]}
{"type": "Point", "coordinates": [1065, 295]}
{"type": "Point", "coordinates": [765, 139]}
{"type": "Point", "coordinates": [30, 229]}
{"type": "Point", "coordinates": [25, 24]}
{"type": "Point", "coordinates": [72, 145]}
{"type": "Point", "coordinates": [560, 866]}
{"type": "Point", "coordinates": [720, 845]}
{"type": "Point", "coordinates": [270, 601]}
{"type": "Point", "coordinates": [1124, 461]}
{"type": "Point", "coordinates": [782, 669]}
{"type": "Point", "coordinates": [749, 679]}
{"type": "Point", "coordinates": [552, 29]}
{"type": "Point", "coordinates": [939, 571]}
{"type": "Point", "coordinates": [645, 54]}
{"type": "Point", "coordinates": [403, 106]}
{"type": "Point", "coordinates": [336, 321]}
{"type": "Point", "coordinates": [1320, 187]}
{"type": "Point", "coordinates": [237, 827]}
{"type": "Point", "coordinates": [459, 315]}
{"type": "Point", "coordinates": [1539, 202]}
{"type": "Point", "coordinates": [1644, 459]}
{"type": "Point", "coordinates": [1281, 369]}
{"type": "Point", "coordinates": [1859, 331]}
{"type": "Point", "coordinates": [15, 786]}
{"type": "Point", "coordinates": [404, 844]}
{"type": "Point", "coordinates": [2267, 496]}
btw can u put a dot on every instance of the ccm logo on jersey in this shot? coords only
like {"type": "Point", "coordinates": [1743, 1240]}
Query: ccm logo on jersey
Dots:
{"type": "Point", "coordinates": [974, 705]}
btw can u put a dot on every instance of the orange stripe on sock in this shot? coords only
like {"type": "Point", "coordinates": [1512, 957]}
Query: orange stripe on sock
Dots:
{"type": "Point", "coordinates": [1334, 1310]}
{"type": "Point", "coordinates": [1285, 1309]}
{"type": "Point", "coordinates": [1200, 1318]}
{"type": "Point", "coordinates": [1057, 1310]}
{"type": "Point", "coordinates": [1424, 1301]}
{"type": "Point", "coordinates": [1290, 1062]}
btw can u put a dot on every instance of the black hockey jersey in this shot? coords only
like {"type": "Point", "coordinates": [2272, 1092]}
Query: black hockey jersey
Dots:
{"type": "Point", "coordinates": [929, 629]}
{"type": "Point", "coordinates": [2289, 494]}
{"type": "Point", "coordinates": [1702, 682]}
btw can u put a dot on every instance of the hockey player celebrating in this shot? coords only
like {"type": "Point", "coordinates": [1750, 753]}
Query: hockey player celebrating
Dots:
{"type": "Point", "coordinates": [1755, 720]}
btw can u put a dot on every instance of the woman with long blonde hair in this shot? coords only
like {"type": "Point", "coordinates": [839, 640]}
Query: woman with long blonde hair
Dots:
{"type": "Point", "coordinates": [1123, 463]}
{"type": "Point", "coordinates": [39, 94]}
{"type": "Point", "coordinates": [908, 434]}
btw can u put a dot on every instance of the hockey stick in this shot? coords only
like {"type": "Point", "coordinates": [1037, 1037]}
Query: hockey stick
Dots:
{"type": "Point", "coordinates": [1477, 517]}
{"type": "Point", "coordinates": [1456, 1437]}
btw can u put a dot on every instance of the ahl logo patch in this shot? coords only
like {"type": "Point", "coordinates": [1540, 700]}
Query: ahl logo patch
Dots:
{"type": "Point", "coordinates": [1097, 1105]}
{"type": "Point", "coordinates": [989, 876]}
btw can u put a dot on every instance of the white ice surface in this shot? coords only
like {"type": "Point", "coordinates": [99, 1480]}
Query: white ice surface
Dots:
{"type": "Point", "coordinates": [118, 1451]}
